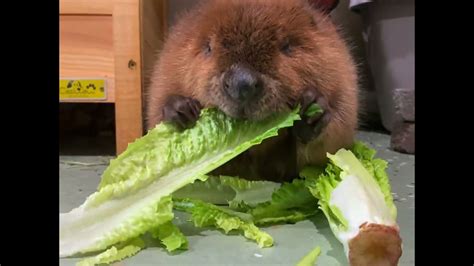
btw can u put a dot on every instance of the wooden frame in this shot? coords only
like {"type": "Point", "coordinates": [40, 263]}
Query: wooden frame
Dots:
{"type": "Point", "coordinates": [114, 40]}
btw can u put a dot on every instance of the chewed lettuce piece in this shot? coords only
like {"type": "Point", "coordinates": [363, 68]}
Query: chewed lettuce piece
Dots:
{"type": "Point", "coordinates": [313, 110]}
{"type": "Point", "coordinates": [354, 194]}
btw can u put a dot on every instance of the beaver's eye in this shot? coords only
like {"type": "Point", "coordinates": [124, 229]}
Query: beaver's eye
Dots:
{"type": "Point", "coordinates": [286, 48]}
{"type": "Point", "coordinates": [207, 48]}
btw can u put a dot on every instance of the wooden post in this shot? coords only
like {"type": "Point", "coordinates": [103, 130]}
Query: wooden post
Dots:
{"type": "Point", "coordinates": [128, 104]}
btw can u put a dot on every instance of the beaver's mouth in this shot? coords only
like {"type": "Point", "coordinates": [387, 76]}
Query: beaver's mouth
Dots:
{"type": "Point", "coordinates": [271, 99]}
{"type": "Point", "coordinates": [254, 112]}
{"type": "Point", "coordinates": [241, 112]}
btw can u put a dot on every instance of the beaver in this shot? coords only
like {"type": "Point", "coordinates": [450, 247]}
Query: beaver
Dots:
{"type": "Point", "coordinates": [252, 58]}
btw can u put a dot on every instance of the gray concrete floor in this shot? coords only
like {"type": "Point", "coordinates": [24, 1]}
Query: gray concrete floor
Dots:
{"type": "Point", "coordinates": [292, 242]}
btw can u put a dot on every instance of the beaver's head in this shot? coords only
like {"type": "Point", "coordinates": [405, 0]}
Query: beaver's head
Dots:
{"type": "Point", "coordinates": [252, 57]}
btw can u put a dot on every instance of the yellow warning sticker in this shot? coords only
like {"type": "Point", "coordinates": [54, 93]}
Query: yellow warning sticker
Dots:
{"type": "Point", "coordinates": [82, 89]}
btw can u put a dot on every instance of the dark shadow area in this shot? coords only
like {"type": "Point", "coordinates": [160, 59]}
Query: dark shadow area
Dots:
{"type": "Point", "coordinates": [86, 129]}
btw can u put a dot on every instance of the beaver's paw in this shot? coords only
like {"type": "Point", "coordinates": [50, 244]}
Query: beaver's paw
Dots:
{"type": "Point", "coordinates": [181, 111]}
{"type": "Point", "coordinates": [312, 123]}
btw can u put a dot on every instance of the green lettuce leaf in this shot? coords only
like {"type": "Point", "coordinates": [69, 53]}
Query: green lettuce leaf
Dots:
{"type": "Point", "coordinates": [249, 192]}
{"type": "Point", "coordinates": [132, 197]}
{"type": "Point", "coordinates": [209, 215]}
{"type": "Point", "coordinates": [267, 202]}
{"type": "Point", "coordinates": [310, 258]}
{"type": "Point", "coordinates": [353, 190]}
{"type": "Point", "coordinates": [284, 217]}
{"type": "Point", "coordinates": [378, 169]}
{"type": "Point", "coordinates": [170, 236]}
{"type": "Point", "coordinates": [321, 183]}
{"type": "Point", "coordinates": [86, 230]}
{"type": "Point", "coordinates": [226, 190]}
{"type": "Point", "coordinates": [291, 203]}
{"type": "Point", "coordinates": [114, 254]}
{"type": "Point", "coordinates": [313, 110]}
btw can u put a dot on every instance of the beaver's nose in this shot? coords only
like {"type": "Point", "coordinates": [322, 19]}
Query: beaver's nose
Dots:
{"type": "Point", "coordinates": [243, 84]}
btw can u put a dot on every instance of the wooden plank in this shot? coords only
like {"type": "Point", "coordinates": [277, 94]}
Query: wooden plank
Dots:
{"type": "Point", "coordinates": [91, 7]}
{"type": "Point", "coordinates": [128, 103]}
{"type": "Point", "coordinates": [86, 50]}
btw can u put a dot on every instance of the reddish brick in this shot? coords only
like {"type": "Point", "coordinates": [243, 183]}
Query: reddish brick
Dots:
{"type": "Point", "coordinates": [403, 137]}
{"type": "Point", "coordinates": [405, 104]}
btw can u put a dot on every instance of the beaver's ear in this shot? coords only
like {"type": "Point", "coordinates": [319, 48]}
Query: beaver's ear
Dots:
{"type": "Point", "coordinates": [325, 6]}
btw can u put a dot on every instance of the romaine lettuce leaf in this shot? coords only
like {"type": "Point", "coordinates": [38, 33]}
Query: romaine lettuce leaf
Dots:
{"type": "Point", "coordinates": [354, 194]}
{"type": "Point", "coordinates": [378, 169]}
{"type": "Point", "coordinates": [291, 203]}
{"type": "Point", "coordinates": [133, 196]}
{"type": "Point", "coordinates": [226, 190]}
{"type": "Point", "coordinates": [267, 202]}
{"type": "Point", "coordinates": [205, 215]}
{"type": "Point", "coordinates": [170, 235]}
{"type": "Point", "coordinates": [321, 183]}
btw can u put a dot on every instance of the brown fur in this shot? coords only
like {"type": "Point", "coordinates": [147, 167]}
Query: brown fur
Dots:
{"type": "Point", "coordinates": [253, 32]}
